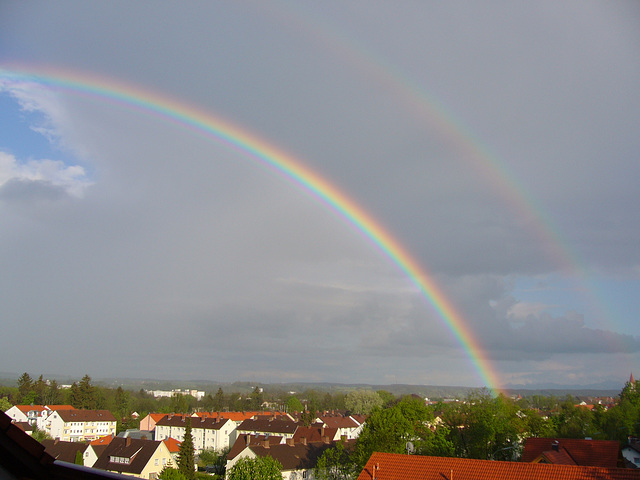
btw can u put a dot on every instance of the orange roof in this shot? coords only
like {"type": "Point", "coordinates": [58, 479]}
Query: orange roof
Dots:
{"type": "Point", "coordinates": [39, 408]}
{"type": "Point", "coordinates": [394, 466]}
{"type": "Point", "coordinates": [102, 440]}
{"type": "Point", "coordinates": [172, 444]}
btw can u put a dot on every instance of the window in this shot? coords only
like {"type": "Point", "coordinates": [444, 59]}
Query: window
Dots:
{"type": "Point", "coordinates": [156, 462]}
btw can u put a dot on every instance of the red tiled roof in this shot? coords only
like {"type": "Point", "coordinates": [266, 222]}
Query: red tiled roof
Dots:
{"type": "Point", "coordinates": [595, 453]}
{"type": "Point", "coordinates": [394, 466]}
{"type": "Point", "coordinates": [245, 440]}
{"type": "Point", "coordinates": [106, 440]}
{"type": "Point", "coordinates": [172, 444]}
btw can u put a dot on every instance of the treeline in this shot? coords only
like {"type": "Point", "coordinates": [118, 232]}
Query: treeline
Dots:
{"type": "Point", "coordinates": [481, 426]}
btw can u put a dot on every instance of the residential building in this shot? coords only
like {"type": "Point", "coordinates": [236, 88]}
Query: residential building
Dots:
{"type": "Point", "coordinates": [349, 427]}
{"type": "Point", "coordinates": [394, 466]}
{"type": "Point", "coordinates": [34, 414]}
{"type": "Point", "coordinates": [207, 433]}
{"type": "Point", "coordinates": [80, 425]}
{"type": "Point", "coordinates": [263, 425]}
{"type": "Point", "coordinates": [148, 423]}
{"type": "Point", "coordinates": [24, 458]}
{"type": "Point", "coordinates": [132, 456]}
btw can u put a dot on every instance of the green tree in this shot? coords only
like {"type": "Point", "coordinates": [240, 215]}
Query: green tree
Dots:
{"type": "Point", "coordinates": [257, 398]}
{"type": "Point", "coordinates": [87, 393]}
{"type": "Point", "coordinates": [259, 468]}
{"type": "Point", "coordinates": [39, 435]}
{"type": "Point", "coordinates": [25, 387]}
{"type": "Point", "coordinates": [390, 429]}
{"type": "Point", "coordinates": [5, 404]}
{"type": "Point", "coordinates": [387, 397]}
{"type": "Point", "coordinates": [179, 403]}
{"type": "Point", "coordinates": [74, 396]}
{"type": "Point", "coordinates": [40, 388]}
{"type": "Point", "coordinates": [79, 460]}
{"type": "Point", "coordinates": [169, 473]}
{"type": "Point", "coordinates": [336, 463]}
{"type": "Point", "coordinates": [186, 453]}
{"type": "Point", "coordinates": [362, 401]}
{"type": "Point", "coordinates": [218, 400]}
{"type": "Point", "coordinates": [121, 402]}
{"type": "Point", "coordinates": [294, 405]}
{"type": "Point", "coordinates": [52, 394]}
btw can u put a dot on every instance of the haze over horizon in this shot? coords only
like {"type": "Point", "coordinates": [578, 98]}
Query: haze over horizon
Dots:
{"type": "Point", "coordinates": [497, 143]}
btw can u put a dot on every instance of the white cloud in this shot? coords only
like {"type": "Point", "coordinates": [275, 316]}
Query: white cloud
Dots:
{"type": "Point", "coordinates": [72, 179]}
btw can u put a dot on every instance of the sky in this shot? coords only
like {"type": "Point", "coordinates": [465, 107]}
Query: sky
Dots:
{"type": "Point", "coordinates": [495, 145]}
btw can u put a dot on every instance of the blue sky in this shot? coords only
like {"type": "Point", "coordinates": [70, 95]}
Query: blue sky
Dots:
{"type": "Point", "coordinates": [118, 226]}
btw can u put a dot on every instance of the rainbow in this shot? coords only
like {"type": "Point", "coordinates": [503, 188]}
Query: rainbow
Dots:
{"type": "Point", "coordinates": [426, 108]}
{"type": "Point", "coordinates": [292, 168]}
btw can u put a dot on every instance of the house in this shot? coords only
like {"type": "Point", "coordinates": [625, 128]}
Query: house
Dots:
{"type": "Point", "coordinates": [34, 414]}
{"type": "Point", "coordinates": [95, 449]}
{"type": "Point", "coordinates": [349, 427]}
{"type": "Point", "coordinates": [80, 425]}
{"type": "Point", "coordinates": [65, 451]}
{"type": "Point", "coordinates": [24, 458]}
{"type": "Point", "coordinates": [572, 451]}
{"type": "Point", "coordinates": [395, 466]}
{"type": "Point", "coordinates": [631, 454]}
{"type": "Point", "coordinates": [148, 423]}
{"type": "Point", "coordinates": [208, 433]}
{"type": "Point", "coordinates": [298, 460]}
{"type": "Point", "coordinates": [132, 456]}
{"type": "Point", "coordinates": [173, 446]}
{"type": "Point", "coordinates": [263, 425]}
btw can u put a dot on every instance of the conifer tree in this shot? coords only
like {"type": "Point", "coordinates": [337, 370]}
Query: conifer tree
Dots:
{"type": "Point", "coordinates": [186, 460]}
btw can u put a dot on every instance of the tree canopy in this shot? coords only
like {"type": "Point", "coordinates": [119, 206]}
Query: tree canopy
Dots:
{"type": "Point", "coordinates": [259, 468]}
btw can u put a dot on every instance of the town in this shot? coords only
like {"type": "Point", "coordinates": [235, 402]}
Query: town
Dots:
{"type": "Point", "coordinates": [85, 430]}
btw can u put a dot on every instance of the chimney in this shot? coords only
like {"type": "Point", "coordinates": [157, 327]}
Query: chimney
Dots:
{"type": "Point", "coordinates": [325, 439]}
{"type": "Point", "coordinates": [127, 441]}
{"type": "Point", "coordinates": [265, 443]}
{"type": "Point", "coordinates": [303, 440]}
{"type": "Point", "coordinates": [290, 442]}
{"type": "Point", "coordinates": [555, 445]}
{"type": "Point", "coordinates": [248, 439]}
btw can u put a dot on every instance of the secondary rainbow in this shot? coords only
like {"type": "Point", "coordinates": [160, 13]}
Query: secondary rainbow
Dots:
{"type": "Point", "coordinates": [239, 139]}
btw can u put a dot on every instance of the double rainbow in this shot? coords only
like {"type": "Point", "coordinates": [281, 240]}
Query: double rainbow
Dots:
{"type": "Point", "coordinates": [292, 168]}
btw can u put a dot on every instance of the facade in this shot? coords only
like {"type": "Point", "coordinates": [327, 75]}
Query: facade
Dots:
{"type": "Point", "coordinates": [207, 433]}
{"type": "Point", "coordinates": [80, 425]}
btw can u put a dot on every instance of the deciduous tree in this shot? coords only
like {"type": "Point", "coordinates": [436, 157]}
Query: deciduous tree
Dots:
{"type": "Point", "coordinates": [259, 468]}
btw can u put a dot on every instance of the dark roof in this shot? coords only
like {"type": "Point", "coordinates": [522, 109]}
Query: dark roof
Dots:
{"type": "Point", "coordinates": [394, 466]}
{"type": "Point", "coordinates": [294, 457]}
{"type": "Point", "coordinates": [86, 415]}
{"type": "Point", "coordinates": [210, 423]}
{"type": "Point", "coordinates": [268, 425]}
{"type": "Point", "coordinates": [65, 451]}
{"type": "Point", "coordinates": [245, 440]}
{"type": "Point", "coordinates": [138, 451]}
{"type": "Point", "coordinates": [594, 453]}
{"type": "Point", "coordinates": [314, 434]}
